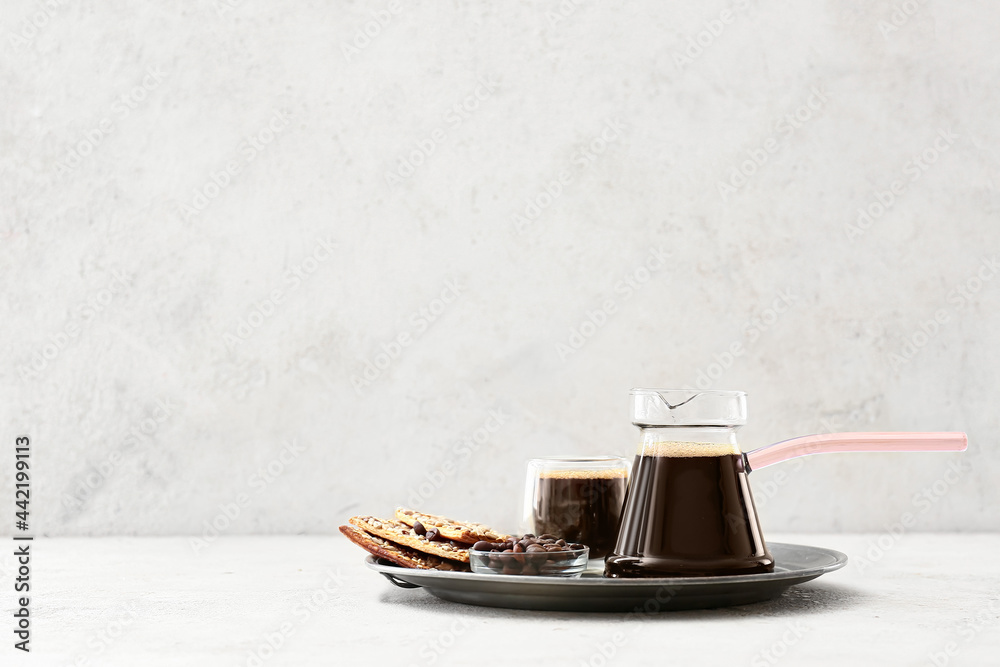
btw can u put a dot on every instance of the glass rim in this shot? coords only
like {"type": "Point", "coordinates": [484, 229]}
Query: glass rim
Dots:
{"type": "Point", "coordinates": [643, 391]}
{"type": "Point", "coordinates": [609, 460]}
{"type": "Point", "coordinates": [688, 407]}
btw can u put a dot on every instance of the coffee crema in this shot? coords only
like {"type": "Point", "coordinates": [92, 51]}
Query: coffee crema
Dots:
{"type": "Point", "coordinates": [689, 512]}
{"type": "Point", "coordinates": [607, 473]}
{"type": "Point", "coordinates": [650, 447]}
{"type": "Point", "coordinates": [581, 506]}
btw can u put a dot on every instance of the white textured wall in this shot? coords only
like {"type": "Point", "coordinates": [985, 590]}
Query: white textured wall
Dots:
{"type": "Point", "coordinates": [124, 289]}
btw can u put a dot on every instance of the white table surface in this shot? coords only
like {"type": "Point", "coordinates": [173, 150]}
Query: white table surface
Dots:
{"type": "Point", "coordinates": [155, 601]}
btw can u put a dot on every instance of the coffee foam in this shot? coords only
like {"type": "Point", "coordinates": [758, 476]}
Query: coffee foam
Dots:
{"type": "Point", "coordinates": [668, 448]}
{"type": "Point", "coordinates": [605, 473]}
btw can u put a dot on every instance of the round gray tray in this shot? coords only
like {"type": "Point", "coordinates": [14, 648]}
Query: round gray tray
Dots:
{"type": "Point", "coordinates": [794, 564]}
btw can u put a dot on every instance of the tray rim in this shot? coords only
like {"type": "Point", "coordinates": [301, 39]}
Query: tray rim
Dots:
{"type": "Point", "coordinates": [838, 561]}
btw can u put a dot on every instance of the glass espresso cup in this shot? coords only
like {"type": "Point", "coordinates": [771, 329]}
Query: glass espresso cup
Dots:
{"type": "Point", "coordinates": [578, 499]}
{"type": "Point", "coordinates": [689, 510]}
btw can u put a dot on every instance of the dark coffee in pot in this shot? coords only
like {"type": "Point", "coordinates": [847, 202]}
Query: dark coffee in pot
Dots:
{"type": "Point", "coordinates": [688, 512]}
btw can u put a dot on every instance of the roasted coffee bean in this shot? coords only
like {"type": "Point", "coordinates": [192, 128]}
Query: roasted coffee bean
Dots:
{"type": "Point", "coordinates": [418, 528]}
{"type": "Point", "coordinates": [519, 548]}
{"type": "Point", "coordinates": [538, 559]}
{"type": "Point", "coordinates": [483, 545]}
{"type": "Point", "coordinates": [534, 548]}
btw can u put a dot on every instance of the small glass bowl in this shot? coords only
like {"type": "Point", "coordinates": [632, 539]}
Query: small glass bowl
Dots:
{"type": "Point", "coordinates": [547, 564]}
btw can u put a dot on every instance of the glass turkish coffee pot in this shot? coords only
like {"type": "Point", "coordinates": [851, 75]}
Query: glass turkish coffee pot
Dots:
{"type": "Point", "coordinates": [689, 510]}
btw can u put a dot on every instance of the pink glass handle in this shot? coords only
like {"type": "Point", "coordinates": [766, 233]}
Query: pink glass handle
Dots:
{"type": "Point", "coordinates": [855, 442]}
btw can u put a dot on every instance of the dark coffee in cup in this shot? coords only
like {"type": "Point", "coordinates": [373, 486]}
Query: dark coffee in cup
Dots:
{"type": "Point", "coordinates": [689, 512]}
{"type": "Point", "coordinates": [581, 506]}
